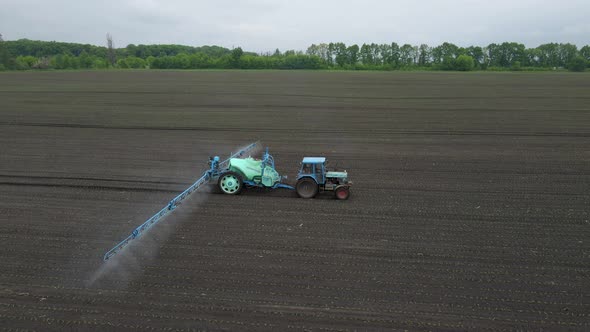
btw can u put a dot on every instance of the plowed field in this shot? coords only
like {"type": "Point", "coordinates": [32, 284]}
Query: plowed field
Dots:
{"type": "Point", "coordinates": [470, 208]}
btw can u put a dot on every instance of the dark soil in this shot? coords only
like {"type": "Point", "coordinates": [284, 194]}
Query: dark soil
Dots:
{"type": "Point", "coordinates": [470, 208]}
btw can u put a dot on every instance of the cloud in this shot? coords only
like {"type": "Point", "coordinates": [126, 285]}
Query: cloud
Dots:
{"type": "Point", "coordinates": [576, 29]}
{"type": "Point", "coordinates": [263, 25]}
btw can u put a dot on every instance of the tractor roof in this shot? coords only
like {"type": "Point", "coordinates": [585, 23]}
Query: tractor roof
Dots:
{"type": "Point", "coordinates": [314, 160]}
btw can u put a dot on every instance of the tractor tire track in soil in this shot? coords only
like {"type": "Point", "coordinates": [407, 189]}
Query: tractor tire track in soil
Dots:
{"type": "Point", "coordinates": [469, 210]}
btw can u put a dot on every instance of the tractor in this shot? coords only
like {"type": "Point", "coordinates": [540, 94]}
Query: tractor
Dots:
{"type": "Point", "coordinates": [313, 177]}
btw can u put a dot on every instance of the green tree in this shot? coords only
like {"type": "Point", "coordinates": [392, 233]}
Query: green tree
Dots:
{"type": "Point", "coordinates": [74, 62]}
{"type": "Point", "coordinates": [407, 54]}
{"type": "Point", "coordinates": [463, 63]}
{"type": "Point", "coordinates": [224, 62]}
{"type": "Point", "coordinates": [376, 54]}
{"type": "Point", "coordinates": [150, 61]}
{"type": "Point", "coordinates": [132, 50]}
{"type": "Point", "coordinates": [503, 55]}
{"type": "Point", "coordinates": [99, 63]}
{"type": "Point", "coordinates": [548, 55]}
{"type": "Point", "coordinates": [321, 51]}
{"type": "Point", "coordinates": [448, 63]}
{"type": "Point", "coordinates": [385, 52]}
{"type": "Point", "coordinates": [444, 52]}
{"type": "Point", "coordinates": [122, 64]}
{"type": "Point", "coordinates": [477, 54]}
{"type": "Point", "coordinates": [85, 60]}
{"type": "Point", "coordinates": [578, 64]}
{"type": "Point", "coordinates": [312, 50]}
{"type": "Point", "coordinates": [299, 61]}
{"type": "Point", "coordinates": [183, 61]}
{"type": "Point", "coordinates": [4, 54]}
{"type": "Point", "coordinates": [25, 62]}
{"type": "Point", "coordinates": [201, 60]}
{"type": "Point", "coordinates": [330, 54]}
{"type": "Point", "coordinates": [236, 54]}
{"type": "Point", "coordinates": [494, 55]}
{"type": "Point", "coordinates": [567, 52]}
{"type": "Point", "coordinates": [353, 54]}
{"type": "Point", "coordinates": [532, 57]}
{"type": "Point", "coordinates": [395, 55]}
{"type": "Point", "coordinates": [61, 61]}
{"type": "Point", "coordinates": [424, 56]}
{"type": "Point", "coordinates": [135, 62]}
{"type": "Point", "coordinates": [365, 54]}
{"type": "Point", "coordinates": [250, 62]}
{"type": "Point", "coordinates": [341, 54]}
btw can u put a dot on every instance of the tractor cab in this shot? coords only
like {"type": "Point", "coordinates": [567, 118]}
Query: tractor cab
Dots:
{"type": "Point", "coordinates": [313, 167]}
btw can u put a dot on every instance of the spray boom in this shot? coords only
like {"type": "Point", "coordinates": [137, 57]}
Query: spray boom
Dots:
{"type": "Point", "coordinates": [214, 166]}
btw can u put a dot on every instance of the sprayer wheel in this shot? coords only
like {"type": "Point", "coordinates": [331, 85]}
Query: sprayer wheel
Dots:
{"type": "Point", "coordinates": [231, 183]}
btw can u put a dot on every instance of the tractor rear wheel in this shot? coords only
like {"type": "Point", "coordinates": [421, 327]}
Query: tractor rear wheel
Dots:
{"type": "Point", "coordinates": [342, 193]}
{"type": "Point", "coordinates": [230, 183]}
{"type": "Point", "coordinates": [306, 188]}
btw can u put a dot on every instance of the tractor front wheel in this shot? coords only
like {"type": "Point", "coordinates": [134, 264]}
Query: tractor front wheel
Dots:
{"type": "Point", "coordinates": [306, 188]}
{"type": "Point", "coordinates": [230, 183]}
{"type": "Point", "coordinates": [342, 193]}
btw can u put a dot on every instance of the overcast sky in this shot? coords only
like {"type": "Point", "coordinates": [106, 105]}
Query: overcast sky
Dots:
{"type": "Point", "coordinates": [263, 25]}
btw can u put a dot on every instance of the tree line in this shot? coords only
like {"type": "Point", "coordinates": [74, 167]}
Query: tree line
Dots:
{"type": "Point", "coordinates": [27, 54]}
{"type": "Point", "coordinates": [508, 55]}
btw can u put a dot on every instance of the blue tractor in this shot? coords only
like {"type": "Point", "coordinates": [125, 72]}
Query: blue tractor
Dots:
{"type": "Point", "coordinates": [313, 177]}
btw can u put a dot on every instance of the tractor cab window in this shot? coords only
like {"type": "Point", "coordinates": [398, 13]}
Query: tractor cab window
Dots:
{"type": "Point", "coordinates": [307, 169]}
